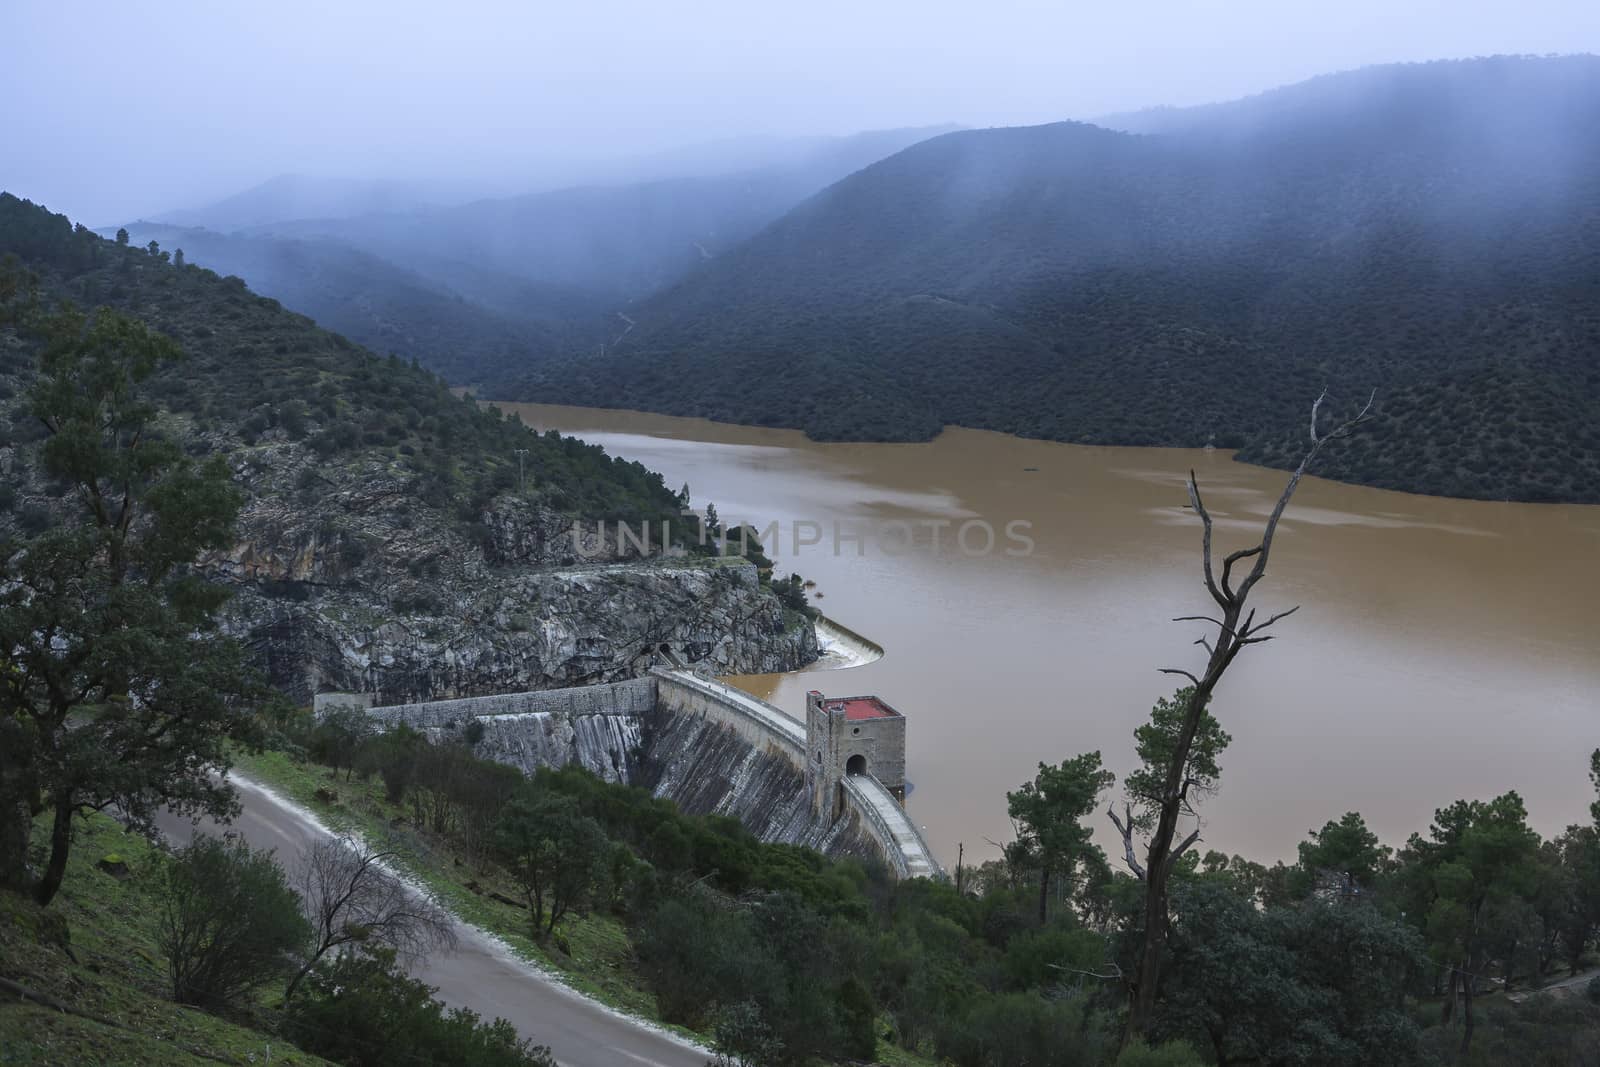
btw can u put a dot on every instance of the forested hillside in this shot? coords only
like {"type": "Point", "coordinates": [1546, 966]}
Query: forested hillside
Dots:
{"type": "Point", "coordinates": [253, 369]}
{"type": "Point", "coordinates": [1431, 232]}
{"type": "Point", "coordinates": [392, 310]}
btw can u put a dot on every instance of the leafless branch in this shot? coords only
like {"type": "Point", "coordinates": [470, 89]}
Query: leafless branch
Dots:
{"type": "Point", "coordinates": [1126, 830]}
{"type": "Point", "coordinates": [1116, 971]}
{"type": "Point", "coordinates": [1205, 557]}
{"type": "Point", "coordinates": [1316, 407]}
{"type": "Point", "coordinates": [1205, 618]}
{"type": "Point", "coordinates": [1172, 857]}
{"type": "Point", "coordinates": [351, 899]}
{"type": "Point", "coordinates": [1250, 630]}
{"type": "Point", "coordinates": [1177, 670]}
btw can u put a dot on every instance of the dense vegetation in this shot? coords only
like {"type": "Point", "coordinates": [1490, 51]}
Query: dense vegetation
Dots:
{"type": "Point", "coordinates": [252, 369]}
{"type": "Point", "coordinates": [1341, 957]}
{"type": "Point", "coordinates": [1431, 232]}
{"type": "Point", "coordinates": [389, 309]}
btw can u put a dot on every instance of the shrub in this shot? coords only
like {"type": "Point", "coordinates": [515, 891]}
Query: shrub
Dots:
{"type": "Point", "coordinates": [361, 1010]}
{"type": "Point", "coordinates": [1019, 1029]}
{"type": "Point", "coordinates": [337, 739]}
{"type": "Point", "coordinates": [553, 850]}
{"type": "Point", "coordinates": [1172, 1054]}
{"type": "Point", "coordinates": [228, 922]}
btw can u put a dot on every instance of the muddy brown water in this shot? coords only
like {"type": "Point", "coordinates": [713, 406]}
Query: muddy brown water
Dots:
{"type": "Point", "coordinates": [1443, 648]}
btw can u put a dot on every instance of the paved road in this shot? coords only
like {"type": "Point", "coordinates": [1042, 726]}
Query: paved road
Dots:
{"type": "Point", "coordinates": [478, 974]}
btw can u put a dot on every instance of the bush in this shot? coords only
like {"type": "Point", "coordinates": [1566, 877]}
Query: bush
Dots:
{"type": "Point", "coordinates": [337, 738]}
{"type": "Point", "coordinates": [1171, 1054]}
{"type": "Point", "coordinates": [1020, 1029]}
{"type": "Point", "coordinates": [228, 922]}
{"type": "Point", "coordinates": [554, 851]}
{"type": "Point", "coordinates": [362, 1011]}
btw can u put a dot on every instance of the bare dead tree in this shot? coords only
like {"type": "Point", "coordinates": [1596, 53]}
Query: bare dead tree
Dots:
{"type": "Point", "coordinates": [1236, 628]}
{"type": "Point", "coordinates": [352, 900]}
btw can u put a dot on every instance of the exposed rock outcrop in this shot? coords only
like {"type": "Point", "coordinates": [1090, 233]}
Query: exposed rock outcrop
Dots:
{"type": "Point", "coordinates": [344, 582]}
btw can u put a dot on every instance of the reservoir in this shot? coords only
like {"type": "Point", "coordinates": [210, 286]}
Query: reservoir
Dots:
{"type": "Point", "coordinates": [1443, 649]}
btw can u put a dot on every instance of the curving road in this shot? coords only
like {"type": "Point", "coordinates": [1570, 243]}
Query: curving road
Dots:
{"type": "Point", "coordinates": [480, 973]}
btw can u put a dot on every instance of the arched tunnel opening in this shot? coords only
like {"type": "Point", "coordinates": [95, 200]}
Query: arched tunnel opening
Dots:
{"type": "Point", "coordinates": [856, 765]}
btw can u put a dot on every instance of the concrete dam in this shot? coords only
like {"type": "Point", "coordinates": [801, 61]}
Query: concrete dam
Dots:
{"type": "Point", "coordinates": [833, 783]}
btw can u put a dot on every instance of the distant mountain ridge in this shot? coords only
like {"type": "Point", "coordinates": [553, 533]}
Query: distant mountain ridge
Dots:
{"type": "Point", "coordinates": [301, 196]}
{"type": "Point", "coordinates": [1431, 231]}
{"type": "Point", "coordinates": [482, 291]}
{"type": "Point", "coordinates": [388, 308]}
{"type": "Point", "coordinates": [623, 241]}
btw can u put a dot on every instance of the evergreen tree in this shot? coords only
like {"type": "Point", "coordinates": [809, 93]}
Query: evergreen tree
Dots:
{"type": "Point", "coordinates": [1049, 813]}
{"type": "Point", "coordinates": [115, 686]}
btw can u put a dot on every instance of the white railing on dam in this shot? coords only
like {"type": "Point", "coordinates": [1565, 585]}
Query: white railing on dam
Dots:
{"type": "Point", "coordinates": [903, 844]}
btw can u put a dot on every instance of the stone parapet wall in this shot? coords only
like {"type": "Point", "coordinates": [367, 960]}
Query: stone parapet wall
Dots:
{"type": "Point", "coordinates": [634, 697]}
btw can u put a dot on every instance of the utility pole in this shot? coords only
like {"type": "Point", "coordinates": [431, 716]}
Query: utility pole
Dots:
{"type": "Point", "coordinates": [522, 454]}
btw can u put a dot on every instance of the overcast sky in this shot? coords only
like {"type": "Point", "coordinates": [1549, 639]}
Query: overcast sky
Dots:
{"type": "Point", "coordinates": [118, 109]}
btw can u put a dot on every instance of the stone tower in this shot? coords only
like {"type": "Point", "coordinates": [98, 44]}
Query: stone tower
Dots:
{"type": "Point", "coordinates": [852, 735]}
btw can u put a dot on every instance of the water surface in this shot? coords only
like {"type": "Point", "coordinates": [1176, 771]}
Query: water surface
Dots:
{"type": "Point", "coordinates": [1443, 649]}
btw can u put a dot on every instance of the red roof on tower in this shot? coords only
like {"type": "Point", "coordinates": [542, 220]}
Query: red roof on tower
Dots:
{"type": "Point", "coordinates": [857, 708]}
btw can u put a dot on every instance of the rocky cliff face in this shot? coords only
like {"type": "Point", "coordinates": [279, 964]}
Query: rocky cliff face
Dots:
{"type": "Point", "coordinates": [345, 578]}
{"type": "Point", "coordinates": [346, 583]}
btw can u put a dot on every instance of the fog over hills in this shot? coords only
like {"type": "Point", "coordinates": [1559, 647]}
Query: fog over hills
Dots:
{"type": "Point", "coordinates": [1432, 231]}
{"type": "Point", "coordinates": [393, 310]}
{"type": "Point", "coordinates": [489, 288]}
{"type": "Point", "coordinates": [624, 240]}
{"type": "Point", "coordinates": [1188, 277]}
{"type": "Point", "coordinates": [305, 196]}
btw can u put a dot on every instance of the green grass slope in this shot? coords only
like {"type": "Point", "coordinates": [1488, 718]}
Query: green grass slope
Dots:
{"type": "Point", "coordinates": [94, 950]}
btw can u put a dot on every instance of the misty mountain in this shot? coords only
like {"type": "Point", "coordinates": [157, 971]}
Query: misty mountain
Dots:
{"type": "Point", "coordinates": [303, 196]}
{"type": "Point", "coordinates": [1430, 231]}
{"type": "Point", "coordinates": [390, 309]}
{"type": "Point", "coordinates": [620, 241]}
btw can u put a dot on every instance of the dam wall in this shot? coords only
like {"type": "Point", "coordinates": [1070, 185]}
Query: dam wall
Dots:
{"type": "Point", "coordinates": [707, 746]}
{"type": "Point", "coordinates": [758, 722]}
{"type": "Point", "coordinates": [597, 727]}
{"type": "Point", "coordinates": [714, 764]}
